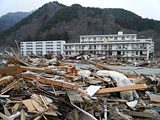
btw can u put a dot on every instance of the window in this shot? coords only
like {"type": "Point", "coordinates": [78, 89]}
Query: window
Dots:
{"type": "Point", "coordinates": [136, 52]}
{"type": "Point", "coordinates": [115, 38]}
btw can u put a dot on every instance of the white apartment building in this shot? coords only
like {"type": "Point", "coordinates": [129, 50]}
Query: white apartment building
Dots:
{"type": "Point", "coordinates": [120, 46]}
{"type": "Point", "coordinates": [40, 48]}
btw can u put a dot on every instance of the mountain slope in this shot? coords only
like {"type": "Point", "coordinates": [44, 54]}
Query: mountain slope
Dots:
{"type": "Point", "coordinates": [11, 19]}
{"type": "Point", "coordinates": [56, 21]}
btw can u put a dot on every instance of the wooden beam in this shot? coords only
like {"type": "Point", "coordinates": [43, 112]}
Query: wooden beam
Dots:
{"type": "Point", "coordinates": [23, 114]}
{"type": "Point", "coordinates": [123, 88]}
{"type": "Point", "coordinates": [54, 82]}
{"type": "Point", "coordinates": [11, 70]}
{"type": "Point", "coordinates": [5, 79]}
{"type": "Point", "coordinates": [9, 87]}
{"type": "Point", "coordinates": [154, 97]}
{"type": "Point", "coordinates": [29, 105]}
{"type": "Point", "coordinates": [142, 114]}
{"type": "Point", "coordinates": [105, 67]}
{"type": "Point", "coordinates": [36, 69]}
{"type": "Point", "coordinates": [4, 116]}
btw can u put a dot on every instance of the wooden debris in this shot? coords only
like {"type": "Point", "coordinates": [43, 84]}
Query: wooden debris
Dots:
{"type": "Point", "coordinates": [36, 69]}
{"type": "Point", "coordinates": [29, 105]}
{"type": "Point", "coordinates": [37, 106]}
{"type": "Point", "coordinates": [76, 116]}
{"type": "Point", "coordinates": [23, 114]}
{"type": "Point", "coordinates": [47, 92]}
{"type": "Point", "coordinates": [124, 88]}
{"type": "Point", "coordinates": [74, 97]}
{"type": "Point", "coordinates": [54, 82]}
{"type": "Point", "coordinates": [4, 116]}
{"type": "Point", "coordinates": [5, 79]}
{"type": "Point", "coordinates": [7, 113]}
{"type": "Point", "coordinates": [104, 67]}
{"type": "Point", "coordinates": [154, 97]}
{"type": "Point", "coordinates": [15, 107]}
{"type": "Point", "coordinates": [11, 70]}
{"type": "Point", "coordinates": [142, 114]}
{"type": "Point", "coordinates": [9, 87]}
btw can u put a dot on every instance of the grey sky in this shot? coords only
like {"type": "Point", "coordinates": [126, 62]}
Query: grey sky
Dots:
{"type": "Point", "coordinates": [144, 8]}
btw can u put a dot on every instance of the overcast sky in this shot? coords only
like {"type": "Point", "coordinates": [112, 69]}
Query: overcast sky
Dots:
{"type": "Point", "coordinates": [145, 8]}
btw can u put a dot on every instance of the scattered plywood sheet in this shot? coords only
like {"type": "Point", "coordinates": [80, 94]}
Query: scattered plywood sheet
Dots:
{"type": "Point", "coordinates": [29, 105]}
{"type": "Point", "coordinates": [74, 96]}
{"type": "Point", "coordinates": [92, 89]}
{"type": "Point", "coordinates": [154, 97]}
{"type": "Point", "coordinates": [123, 88]}
{"type": "Point", "coordinates": [11, 70]}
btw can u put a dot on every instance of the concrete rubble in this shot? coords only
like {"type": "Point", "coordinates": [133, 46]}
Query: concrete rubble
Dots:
{"type": "Point", "coordinates": [41, 89]}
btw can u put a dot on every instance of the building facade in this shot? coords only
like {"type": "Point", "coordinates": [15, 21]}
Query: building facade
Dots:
{"type": "Point", "coordinates": [120, 46]}
{"type": "Point", "coordinates": [40, 48]}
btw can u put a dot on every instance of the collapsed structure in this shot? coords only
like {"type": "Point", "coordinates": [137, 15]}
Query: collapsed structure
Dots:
{"type": "Point", "coordinates": [38, 89]}
{"type": "Point", "coordinates": [120, 46]}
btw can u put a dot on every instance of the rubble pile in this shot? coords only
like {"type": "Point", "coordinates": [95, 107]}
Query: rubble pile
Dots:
{"type": "Point", "coordinates": [36, 89]}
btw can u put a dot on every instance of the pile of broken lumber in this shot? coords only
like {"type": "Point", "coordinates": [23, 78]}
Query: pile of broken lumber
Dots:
{"type": "Point", "coordinates": [47, 92]}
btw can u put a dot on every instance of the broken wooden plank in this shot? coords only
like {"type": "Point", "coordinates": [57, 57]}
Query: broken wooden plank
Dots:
{"type": "Point", "coordinates": [36, 69]}
{"type": "Point", "coordinates": [4, 116]}
{"type": "Point", "coordinates": [54, 82]}
{"type": "Point", "coordinates": [142, 114]}
{"type": "Point", "coordinates": [11, 70]}
{"type": "Point", "coordinates": [23, 114]}
{"type": "Point", "coordinates": [9, 87]}
{"type": "Point", "coordinates": [19, 59]}
{"type": "Point", "coordinates": [7, 56]}
{"type": "Point", "coordinates": [6, 111]}
{"type": "Point", "coordinates": [38, 117]}
{"type": "Point", "coordinates": [29, 105]}
{"type": "Point", "coordinates": [123, 88]}
{"type": "Point", "coordinates": [76, 115]}
{"type": "Point", "coordinates": [37, 106]}
{"type": "Point", "coordinates": [5, 79]}
{"type": "Point", "coordinates": [40, 113]}
{"type": "Point", "coordinates": [104, 67]}
{"type": "Point", "coordinates": [74, 96]}
{"type": "Point", "coordinates": [15, 107]}
{"type": "Point", "coordinates": [154, 97]}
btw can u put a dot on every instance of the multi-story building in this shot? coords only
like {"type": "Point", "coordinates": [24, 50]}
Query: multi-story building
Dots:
{"type": "Point", "coordinates": [42, 47]}
{"type": "Point", "coordinates": [121, 46]}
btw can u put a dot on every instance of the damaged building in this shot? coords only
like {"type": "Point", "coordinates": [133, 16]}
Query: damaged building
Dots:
{"type": "Point", "coordinates": [120, 46]}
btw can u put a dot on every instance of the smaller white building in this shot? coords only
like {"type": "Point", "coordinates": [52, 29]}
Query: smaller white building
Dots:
{"type": "Point", "coordinates": [40, 48]}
